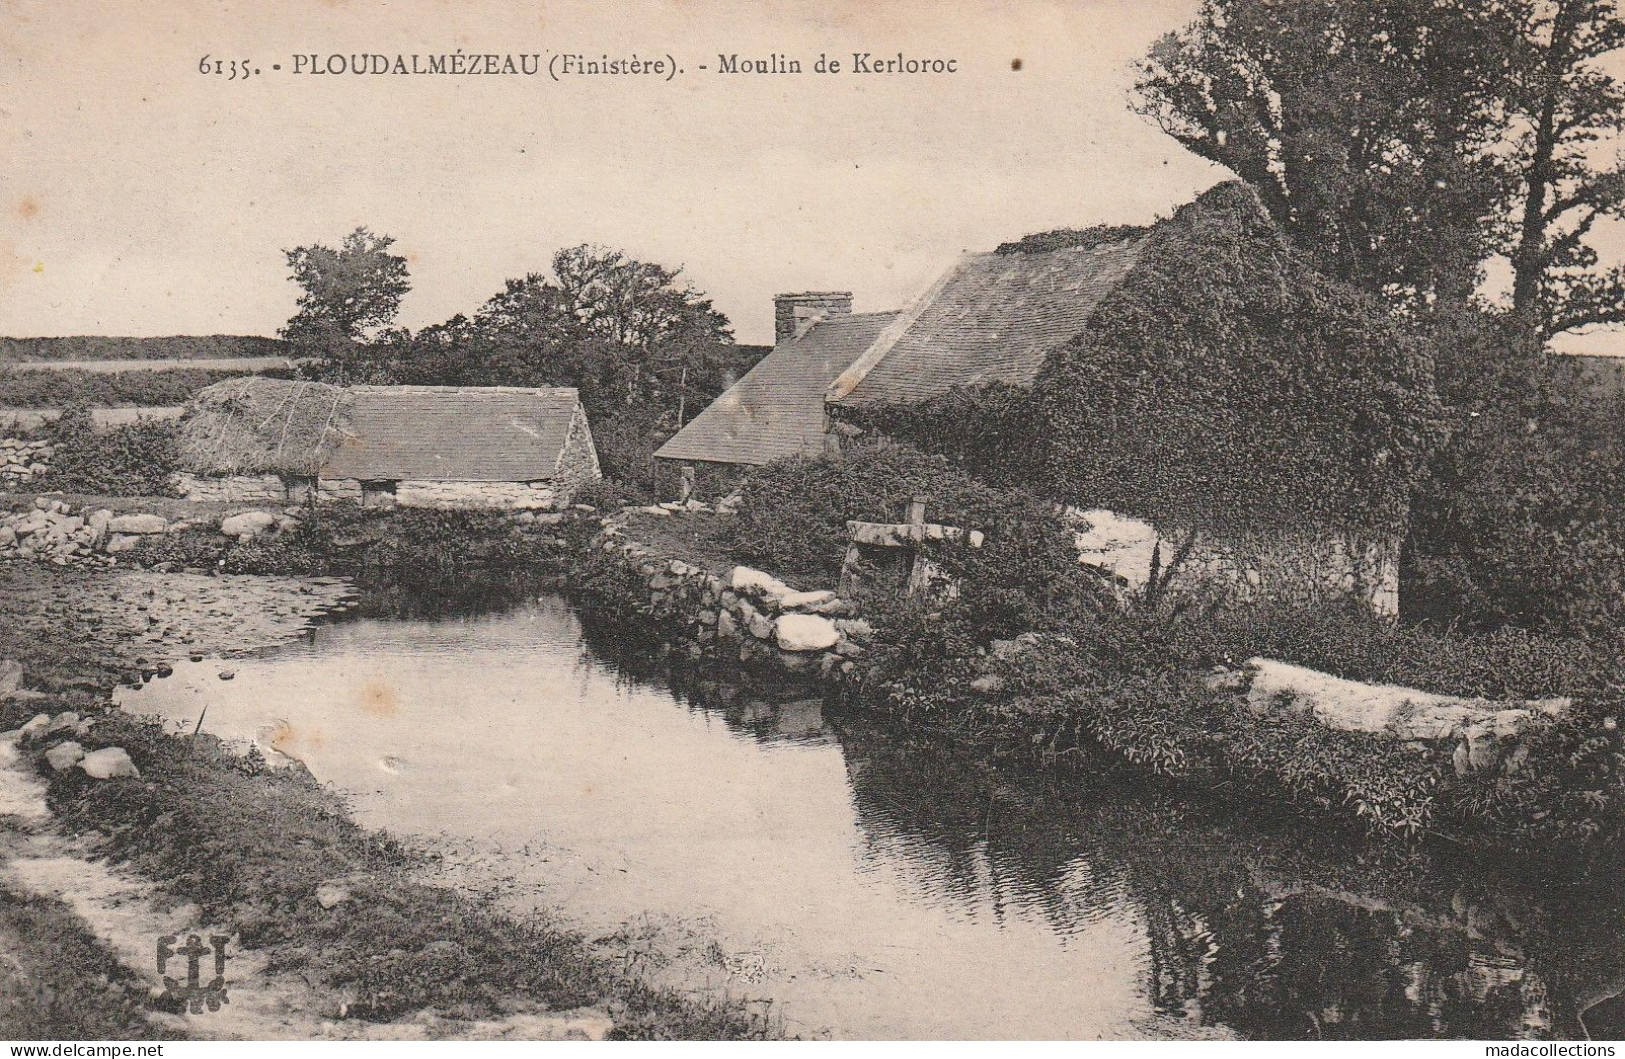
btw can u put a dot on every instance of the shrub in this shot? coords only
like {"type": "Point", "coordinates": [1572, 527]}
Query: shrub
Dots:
{"type": "Point", "coordinates": [1025, 575]}
{"type": "Point", "coordinates": [133, 460]}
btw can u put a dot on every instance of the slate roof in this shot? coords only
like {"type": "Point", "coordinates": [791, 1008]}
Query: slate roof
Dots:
{"type": "Point", "coordinates": [990, 318]}
{"type": "Point", "coordinates": [777, 408]}
{"type": "Point", "coordinates": [453, 433]}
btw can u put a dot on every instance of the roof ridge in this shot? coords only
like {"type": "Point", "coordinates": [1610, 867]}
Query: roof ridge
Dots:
{"type": "Point", "coordinates": [849, 379]}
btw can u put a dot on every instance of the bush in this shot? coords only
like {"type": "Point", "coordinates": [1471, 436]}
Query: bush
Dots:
{"type": "Point", "coordinates": [1025, 576]}
{"type": "Point", "coordinates": [133, 460]}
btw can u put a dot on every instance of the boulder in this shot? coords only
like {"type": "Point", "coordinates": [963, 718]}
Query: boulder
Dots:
{"type": "Point", "coordinates": [109, 763]}
{"type": "Point", "coordinates": [36, 726]}
{"type": "Point", "coordinates": [8, 536]}
{"type": "Point", "coordinates": [331, 894]}
{"type": "Point", "coordinates": [64, 721]}
{"type": "Point", "coordinates": [137, 524]}
{"type": "Point", "coordinates": [805, 632]}
{"type": "Point", "coordinates": [805, 600]}
{"type": "Point", "coordinates": [247, 524]}
{"type": "Point", "coordinates": [64, 756]}
{"type": "Point", "coordinates": [121, 542]}
{"type": "Point", "coordinates": [1387, 709]}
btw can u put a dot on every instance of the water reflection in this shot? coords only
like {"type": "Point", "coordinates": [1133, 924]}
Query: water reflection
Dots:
{"type": "Point", "coordinates": [879, 884]}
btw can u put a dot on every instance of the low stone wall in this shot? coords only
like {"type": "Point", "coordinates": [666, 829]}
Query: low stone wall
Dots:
{"type": "Point", "coordinates": [22, 460]}
{"type": "Point", "coordinates": [451, 496]}
{"type": "Point", "coordinates": [53, 531]}
{"type": "Point", "coordinates": [1482, 733]}
{"type": "Point", "coordinates": [502, 496]}
{"type": "Point", "coordinates": [744, 617]}
{"type": "Point", "coordinates": [236, 488]}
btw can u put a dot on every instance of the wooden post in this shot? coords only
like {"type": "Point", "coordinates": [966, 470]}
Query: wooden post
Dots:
{"type": "Point", "coordinates": [916, 512]}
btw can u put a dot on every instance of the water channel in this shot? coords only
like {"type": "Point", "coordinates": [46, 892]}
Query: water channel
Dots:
{"type": "Point", "coordinates": [873, 884]}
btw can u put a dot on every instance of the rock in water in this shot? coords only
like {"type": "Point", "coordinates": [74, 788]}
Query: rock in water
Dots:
{"type": "Point", "coordinates": [65, 756]}
{"type": "Point", "coordinates": [108, 764]}
{"type": "Point", "coordinates": [805, 632]}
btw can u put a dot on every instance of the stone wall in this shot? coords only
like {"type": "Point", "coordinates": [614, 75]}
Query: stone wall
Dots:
{"type": "Point", "coordinates": [744, 618]}
{"type": "Point", "coordinates": [1301, 565]}
{"type": "Point", "coordinates": [234, 488]}
{"type": "Point", "coordinates": [511, 496]}
{"type": "Point", "coordinates": [278, 490]}
{"type": "Point", "coordinates": [578, 463]}
{"type": "Point", "coordinates": [22, 460]}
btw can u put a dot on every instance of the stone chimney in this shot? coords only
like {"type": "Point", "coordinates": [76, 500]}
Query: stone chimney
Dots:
{"type": "Point", "coordinates": [793, 312]}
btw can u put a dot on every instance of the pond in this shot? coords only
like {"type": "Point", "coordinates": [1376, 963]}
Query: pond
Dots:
{"type": "Point", "coordinates": [873, 884]}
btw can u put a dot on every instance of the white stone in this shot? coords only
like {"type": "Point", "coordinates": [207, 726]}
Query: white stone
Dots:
{"type": "Point", "coordinates": [247, 524]}
{"type": "Point", "coordinates": [332, 894]}
{"type": "Point", "coordinates": [64, 756]}
{"type": "Point", "coordinates": [108, 764]}
{"type": "Point", "coordinates": [36, 726]}
{"type": "Point", "coordinates": [755, 583]}
{"type": "Point", "coordinates": [805, 600]}
{"type": "Point", "coordinates": [1401, 712]}
{"type": "Point", "coordinates": [137, 524]}
{"type": "Point", "coordinates": [805, 632]}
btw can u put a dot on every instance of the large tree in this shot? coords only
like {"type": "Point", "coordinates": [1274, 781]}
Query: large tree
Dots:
{"type": "Point", "coordinates": [1405, 143]}
{"type": "Point", "coordinates": [1564, 110]}
{"type": "Point", "coordinates": [347, 294]}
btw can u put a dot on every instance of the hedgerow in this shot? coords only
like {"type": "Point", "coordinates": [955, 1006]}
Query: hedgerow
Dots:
{"type": "Point", "coordinates": [136, 459]}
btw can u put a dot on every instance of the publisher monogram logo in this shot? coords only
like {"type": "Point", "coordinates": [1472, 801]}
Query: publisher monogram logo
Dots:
{"type": "Point", "coordinates": [193, 992]}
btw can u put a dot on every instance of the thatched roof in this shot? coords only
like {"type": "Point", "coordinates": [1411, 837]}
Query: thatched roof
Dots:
{"type": "Point", "coordinates": [257, 425]}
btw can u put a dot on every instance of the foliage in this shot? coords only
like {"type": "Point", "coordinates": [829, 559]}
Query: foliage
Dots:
{"type": "Point", "coordinates": [1403, 143]}
{"type": "Point", "coordinates": [794, 514]}
{"type": "Point", "coordinates": [346, 294]}
{"type": "Point", "coordinates": [61, 389]}
{"type": "Point", "coordinates": [1066, 238]}
{"type": "Point", "coordinates": [171, 347]}
{"type": "Point", "coordinates": [1225, 382]}
{"type": "Point", "coordinates": [1519, 518]}
{"type": "Point", "coordinates": [1130, 682]}
{"type": "Point", "coordinates": [136, 459]}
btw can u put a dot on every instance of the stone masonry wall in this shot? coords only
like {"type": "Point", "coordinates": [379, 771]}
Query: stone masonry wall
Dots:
{"type": "Point", "coordinates": [235, 488]}
{"type": "Point", "coordinates": [22, 460]}
{"type": "Point", "coordinates": [513, 496]}
{"type": "Point", "coordinates": [1294, 564]}
{"type": "Point", "coordinates": [744, 617]}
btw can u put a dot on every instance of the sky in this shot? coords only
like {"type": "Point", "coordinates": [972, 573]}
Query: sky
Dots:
{"type": "Point", "coordinates": [142, 197]}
